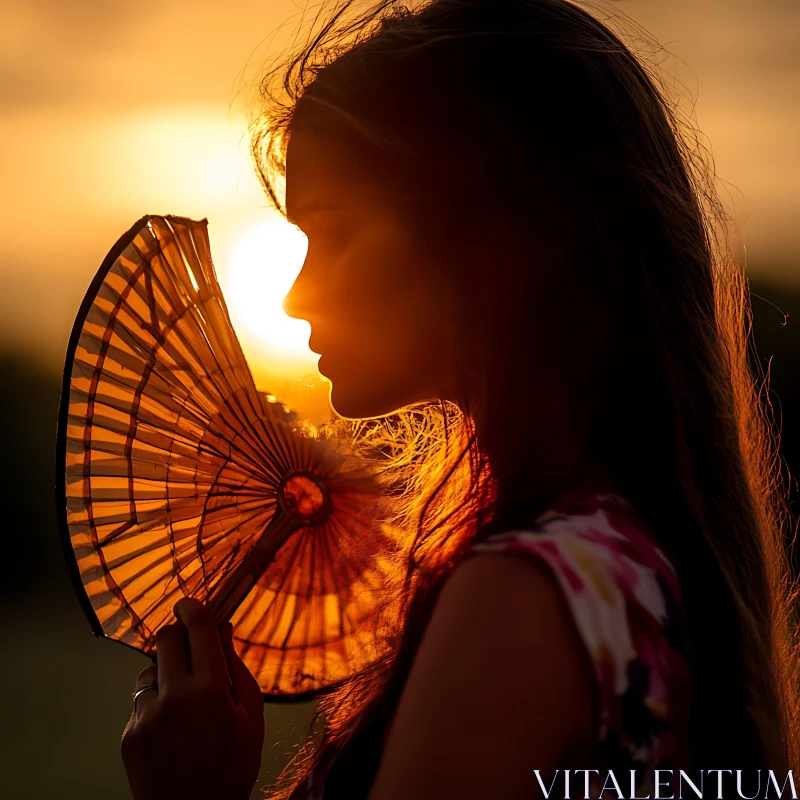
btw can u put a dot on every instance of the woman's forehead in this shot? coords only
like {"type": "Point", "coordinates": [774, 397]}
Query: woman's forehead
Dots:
{"type": "Point", "coordinates": [321, 172]}
{"type": "Point", "coordinates": [307, 167]}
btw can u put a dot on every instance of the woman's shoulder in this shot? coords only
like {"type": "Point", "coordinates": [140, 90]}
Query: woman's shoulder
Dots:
{"type": "Point", "coordinates": [625, 599]}
{"type": "Point", "coordinates": [602, 553]}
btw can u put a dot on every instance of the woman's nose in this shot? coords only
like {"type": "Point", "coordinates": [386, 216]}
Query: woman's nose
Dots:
{"type": "Point", "coordinates": [299, 302]}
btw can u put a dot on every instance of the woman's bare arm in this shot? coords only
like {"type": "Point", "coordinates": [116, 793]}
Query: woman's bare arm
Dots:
{"type": "Point", "coordinates": [501, 685]}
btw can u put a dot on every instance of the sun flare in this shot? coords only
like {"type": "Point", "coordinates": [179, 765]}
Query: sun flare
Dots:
{"type": "Point", "coordinates": [263, 266]}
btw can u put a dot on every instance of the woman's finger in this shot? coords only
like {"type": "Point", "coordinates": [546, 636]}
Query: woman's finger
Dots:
{"type": "Point", "coordinates": [222, 631]}
{"type": "Point", "coordinates": [246, 691]}
{"type": "Point", "coordinates": [173, 663]}
{"type": "Point", "coordinates": [206, 659]}
{"type": "Point", "coordinates": [231, 657]}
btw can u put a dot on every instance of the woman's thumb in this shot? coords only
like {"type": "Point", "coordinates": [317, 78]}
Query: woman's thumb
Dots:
{"type": "Point", "coordinates": [246, 690]}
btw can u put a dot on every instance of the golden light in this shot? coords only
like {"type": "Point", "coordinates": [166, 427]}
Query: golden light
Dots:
{"type": "Point", "coordinates": [262, 268]}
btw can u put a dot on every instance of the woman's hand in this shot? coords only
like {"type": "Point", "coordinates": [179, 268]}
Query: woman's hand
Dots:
{"type": "Point", "coordinates": [200, 734]}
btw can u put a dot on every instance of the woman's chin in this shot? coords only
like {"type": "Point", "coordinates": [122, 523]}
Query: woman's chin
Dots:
{"type": "Point", "coordinates": [357, 396]}
{"type": "Point", "coordinates": [352, 406]}
{"type": "Point", "coordinates": [357, 403]}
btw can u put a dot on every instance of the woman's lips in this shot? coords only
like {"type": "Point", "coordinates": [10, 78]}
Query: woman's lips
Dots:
{"type": "Point", "coordinates": [317, 343]}
{"type": "Point", "coordinates": [320, 368]}
{"type": "Point", "coordinates": [311, 346]}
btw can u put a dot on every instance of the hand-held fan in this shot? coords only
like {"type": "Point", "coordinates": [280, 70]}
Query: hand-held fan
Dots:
{"type": "Point", "coordinates": [177, 478]}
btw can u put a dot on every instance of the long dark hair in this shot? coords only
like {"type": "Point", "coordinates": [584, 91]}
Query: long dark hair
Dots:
{"type": "Point", "coordinates": [614, 267]}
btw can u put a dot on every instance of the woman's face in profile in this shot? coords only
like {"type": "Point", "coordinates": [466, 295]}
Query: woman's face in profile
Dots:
{"type": "Point", "coordinates": [369, 291]}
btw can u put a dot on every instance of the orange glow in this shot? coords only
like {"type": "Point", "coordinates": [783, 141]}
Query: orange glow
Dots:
{"type": "Point", "coordinates": [257, 264]}
{"type": "Point", "coordinates": [263, 266]}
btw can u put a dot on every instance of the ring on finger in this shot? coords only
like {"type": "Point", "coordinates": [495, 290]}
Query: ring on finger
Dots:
{"type": "Point", "coordinates": [144, 688]}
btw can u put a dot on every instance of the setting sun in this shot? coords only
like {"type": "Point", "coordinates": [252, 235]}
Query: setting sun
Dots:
{"type": "Point", "coordinates": [263, 265]}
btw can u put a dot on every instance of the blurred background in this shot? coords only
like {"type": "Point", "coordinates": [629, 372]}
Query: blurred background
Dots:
{"type": "Point", "coordinates": [112, 110]}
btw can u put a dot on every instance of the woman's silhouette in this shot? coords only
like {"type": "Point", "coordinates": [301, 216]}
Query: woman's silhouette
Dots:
{"type": "Point", "coordinates": [504, 211]}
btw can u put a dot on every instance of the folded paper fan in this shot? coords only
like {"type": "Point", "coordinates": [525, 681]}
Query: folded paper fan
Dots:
{"type": "Point", "coordinates": [177, 478]}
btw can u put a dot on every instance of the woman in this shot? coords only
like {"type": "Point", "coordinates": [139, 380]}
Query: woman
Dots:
{"type": "Point", "coordinates": [503, 212]}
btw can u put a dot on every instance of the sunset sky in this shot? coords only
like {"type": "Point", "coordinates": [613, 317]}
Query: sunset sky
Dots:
{"type": "Point", "coordinates": [112, 110]}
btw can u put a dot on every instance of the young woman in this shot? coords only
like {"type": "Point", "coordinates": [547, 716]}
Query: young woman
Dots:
{"type": "Point", "coordinates": [503, 213]}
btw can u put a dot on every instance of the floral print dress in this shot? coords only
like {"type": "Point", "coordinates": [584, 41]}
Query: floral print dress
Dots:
{"type": "Point", "coordinates": [626, 602]}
